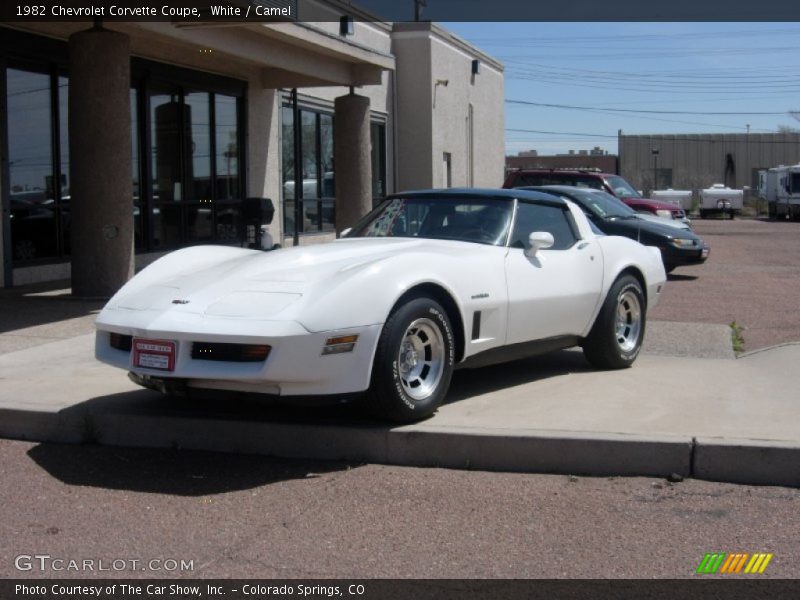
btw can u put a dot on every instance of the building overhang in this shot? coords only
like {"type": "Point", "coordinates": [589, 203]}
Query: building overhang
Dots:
{"type": "Point", "coordinates": [288, 54]}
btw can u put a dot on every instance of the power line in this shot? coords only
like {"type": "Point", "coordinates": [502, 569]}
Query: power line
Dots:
{"type": "Point", "coordinates": [632, 110]}
{"type": "Point", "coordinates": [599, 135]}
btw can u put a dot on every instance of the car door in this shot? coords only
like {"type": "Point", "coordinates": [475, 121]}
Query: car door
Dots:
{"type": "Point", "coordinates": [555, 292]}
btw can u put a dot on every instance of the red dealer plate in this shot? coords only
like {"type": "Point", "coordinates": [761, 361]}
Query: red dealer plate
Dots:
{"type": "Point", "coordinates": [154, 354]}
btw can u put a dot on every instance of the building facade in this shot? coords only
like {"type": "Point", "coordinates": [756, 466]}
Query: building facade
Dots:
{"type": "Point", "coordinates": [696, 161]}
{"type": "Point", "coordinates": [123, 141]}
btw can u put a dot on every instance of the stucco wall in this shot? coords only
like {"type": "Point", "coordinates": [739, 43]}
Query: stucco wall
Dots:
{"type": "Point", "coordinates": [433, 118]}
{"type": "Point", "coordinates": [414, 116]}
{"type": "Point", "coordinates": [485, 93]}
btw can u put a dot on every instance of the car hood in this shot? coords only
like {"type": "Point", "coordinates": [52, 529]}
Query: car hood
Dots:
{"type": "Point", "coordinates": [647, 228]}
{"type": "Point", "coordinates": [271, 281]}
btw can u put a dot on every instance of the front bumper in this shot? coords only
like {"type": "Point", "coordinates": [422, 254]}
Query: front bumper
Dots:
{"type": "Point", "coordinates": [676, 257]}
{"type": "Point", "coordinates": [295, 365]}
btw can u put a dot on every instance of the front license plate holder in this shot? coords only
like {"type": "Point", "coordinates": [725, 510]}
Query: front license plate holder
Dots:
{"type": "Point", "coordinates": [154, 354]}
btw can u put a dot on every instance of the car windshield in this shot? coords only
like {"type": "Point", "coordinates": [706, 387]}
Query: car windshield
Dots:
{"type": "Point", "coordinates": [603, 205]}
{"type": "Point", "coordinates": [467, 219]}
{"type": "Point", "coordinates": [622, 189]}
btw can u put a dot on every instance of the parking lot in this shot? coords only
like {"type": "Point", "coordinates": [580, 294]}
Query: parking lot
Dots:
{"type": "Point", "coordinates": [752, 277]}
{"type": "Point", "coordinates": [274, 517]}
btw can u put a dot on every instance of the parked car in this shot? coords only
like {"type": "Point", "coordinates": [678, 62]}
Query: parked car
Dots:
{"type": "Point", "coordinates": [685, 225]}
{"type": "Point", "coordinates": [427, 282]}
{"type": "Point", "coordinates": [678, 246]}
{"type": "Point", "coordinates": [613, 184]}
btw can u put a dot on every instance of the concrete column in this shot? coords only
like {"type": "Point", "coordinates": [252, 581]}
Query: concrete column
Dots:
{"type": "Point", "coordinates": [352, 160]}
{"type": "Point", "coordinates": [101, 205]}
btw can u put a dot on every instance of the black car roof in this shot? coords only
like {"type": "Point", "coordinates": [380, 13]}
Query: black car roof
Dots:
{"type": "Point", "coordinates": [498, 193]}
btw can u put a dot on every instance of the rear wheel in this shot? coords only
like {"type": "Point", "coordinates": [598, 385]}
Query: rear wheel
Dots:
{"type": "Point", "coordinates": [413, 362]}
{"type": "Point", "coordinates": [616, 337]}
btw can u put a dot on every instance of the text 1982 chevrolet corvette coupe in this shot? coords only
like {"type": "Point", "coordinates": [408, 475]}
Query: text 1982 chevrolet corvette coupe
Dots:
{"type": "Point", "coordinates": [426, 282]}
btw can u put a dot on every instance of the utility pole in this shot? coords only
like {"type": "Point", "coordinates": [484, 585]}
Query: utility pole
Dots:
{"type": "Point", "coordinates": [654, 152]}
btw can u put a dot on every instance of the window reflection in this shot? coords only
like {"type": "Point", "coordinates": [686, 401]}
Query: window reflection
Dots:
{"type": "Point", "coordinates": [378, 139]}
{"type": "Point", "coordinates": [308, 146]}
{"type": "Point", "coordinates": [227, 142]}
{"type": "Point", "coordinates": [287, 167]}
{"type": "Point", "coordinates": [193, 173]}
{"type": "Point", "coordinates": [198, 146]}
{"type": "Point", "coordinates": [138, 217]}
{"type": "Point", "coordinates": [319, 183]}
{"type": "Point", "coordinates": [166, 221]}
{"type": "Point", "coordinates": [165, 153]}
{"type": "Point", "coordinates": [31, 186]}
{"type": "Point", "coordinates": [326, 155]}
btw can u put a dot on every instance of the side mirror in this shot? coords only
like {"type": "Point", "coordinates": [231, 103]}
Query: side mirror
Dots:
{"type": "Point", "coordinates": [538, 240]}
{"type": "Point", "coordinates": [345, 231]}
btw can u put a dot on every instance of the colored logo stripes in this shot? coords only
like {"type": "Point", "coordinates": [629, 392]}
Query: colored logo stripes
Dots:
{"type": "Point", "coordinates": [738, 562]}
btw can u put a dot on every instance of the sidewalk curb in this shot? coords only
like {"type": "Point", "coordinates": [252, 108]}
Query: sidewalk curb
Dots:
{"type": "Point", "coordinates": [755, 462]}
{"type": "Point", "coordinates": [743, 461]}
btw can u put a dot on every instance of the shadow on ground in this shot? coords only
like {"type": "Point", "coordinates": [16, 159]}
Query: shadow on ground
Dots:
{"type": "Point", "coordinates": [173, 472]}
{"type": "Point", "coordinates": [42, 304]}
{"type": "Point", "coordinates": [679, 277]}
{"type": "Point", "coordinates": [468, 383]}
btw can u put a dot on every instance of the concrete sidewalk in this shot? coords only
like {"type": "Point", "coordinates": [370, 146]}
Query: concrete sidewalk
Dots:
{"type": "Point", "coordinates": [721, 419]}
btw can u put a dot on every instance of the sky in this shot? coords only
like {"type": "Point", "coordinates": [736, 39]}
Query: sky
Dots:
{"type": "Point", "coordinates": [609, 69]}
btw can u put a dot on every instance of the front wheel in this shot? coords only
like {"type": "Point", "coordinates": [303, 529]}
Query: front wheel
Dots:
{"type": "Point", "coordinates": [413, 362]}
{"type": "Point", "coordinates": [616, 337]}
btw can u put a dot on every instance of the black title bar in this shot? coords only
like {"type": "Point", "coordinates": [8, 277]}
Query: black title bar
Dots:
{"type": "Point", "coordinates": [199, 11]}
{"type": "Point", "coordinates": [707, 588]}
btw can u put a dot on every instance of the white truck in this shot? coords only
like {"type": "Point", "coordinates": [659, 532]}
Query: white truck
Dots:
{"type": "Point", "coordinates": [780, 187]}
{"type": "Point", "coordinates": [722, 200]}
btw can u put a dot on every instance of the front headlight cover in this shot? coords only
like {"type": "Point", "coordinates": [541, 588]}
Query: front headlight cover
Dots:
{"type": "Point", "coordinates": [683, 243]}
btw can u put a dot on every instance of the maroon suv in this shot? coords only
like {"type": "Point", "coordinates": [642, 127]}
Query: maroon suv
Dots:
{"type": "Point", "coordinates": [613, 184]}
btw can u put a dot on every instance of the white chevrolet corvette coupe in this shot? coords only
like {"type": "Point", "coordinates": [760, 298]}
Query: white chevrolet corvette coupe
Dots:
{"type": "Point", "coordinates": [427, 282]}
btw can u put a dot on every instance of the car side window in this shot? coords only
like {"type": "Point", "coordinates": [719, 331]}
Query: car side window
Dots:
{"type": "Point", "coordinates": [542, 217]}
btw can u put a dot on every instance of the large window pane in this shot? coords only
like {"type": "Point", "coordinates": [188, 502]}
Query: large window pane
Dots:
{"type": "Point", "coordinates": [165, 151]}
{"type": "Point", "coordinates": [166, 226]}
{"type": "Point", "coordinates": [199, 223]}
{"type": "Point", "coordinates": [378, 139]}
{"type": "Point", "coordinates": [198, 146]}
{"type": "Point", "coordinates": [328, 215]}
{"type": "Point", "coordinates": [33, 218]}
{"type": "Point", "coordinates": [326, 155]}
{"type": "Point", "coordinates": [138, 215]}
{"type": "Point", "coordinates": [63, 123]}
{"type": "Point", "coordinates": [63, 137]}
{"type": "Point", "coordinates": [227, 142]}
{"type": "Point", "coordinates": [229, 222]}
{"type": "Point", "coordinates": [287, 163]}
{"type": "Point", "coordinates": [310, 215]}
{"type": "Point", "coordinates": [308, 143]}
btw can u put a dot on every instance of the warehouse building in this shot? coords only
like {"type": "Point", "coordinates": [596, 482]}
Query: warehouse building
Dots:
{"type": "Point", "coordinates": [121, 141]}
{"type": "Point", "coordinates": [696, 161]}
